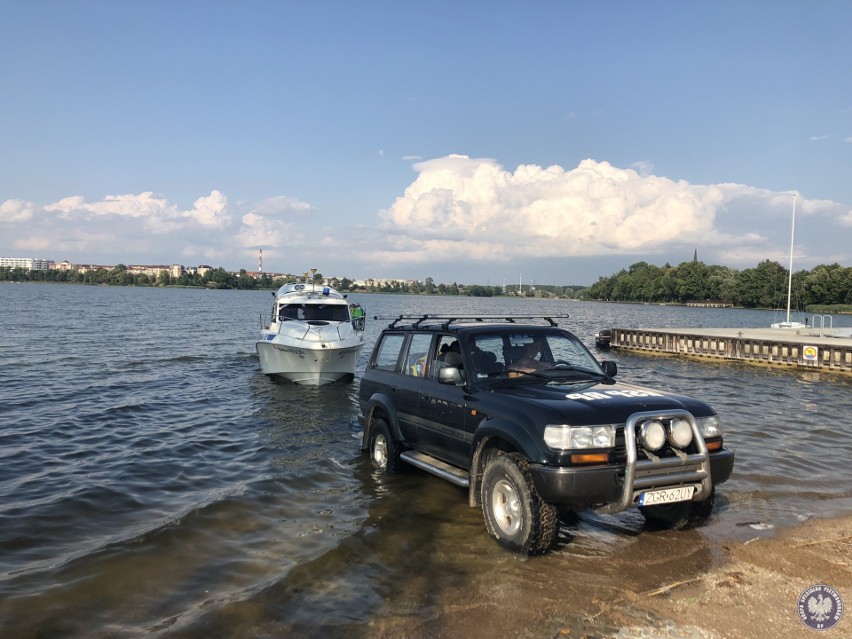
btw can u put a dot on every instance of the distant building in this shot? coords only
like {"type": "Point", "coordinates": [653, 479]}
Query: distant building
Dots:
{"type": "Point", "coordinates": [26, 263]}
{"type": "Point", "coordinates": [154, 270]}
{"type": "Point", "coordinates": [85, 268]}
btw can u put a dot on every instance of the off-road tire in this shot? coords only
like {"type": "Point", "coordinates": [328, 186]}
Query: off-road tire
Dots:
{"type": "Point", "coordinates": [384, 450]}
{"type": "Point", "coordinates": [515, 516]}
{"type": "Point", "coordinates": [681, 515]}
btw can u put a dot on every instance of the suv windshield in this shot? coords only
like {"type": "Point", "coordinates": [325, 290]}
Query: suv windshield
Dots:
{"type": "Point", "coordinates": [553, 355]}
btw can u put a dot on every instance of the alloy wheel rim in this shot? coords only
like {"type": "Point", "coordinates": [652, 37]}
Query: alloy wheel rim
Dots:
{"type": "Point", "coordinates": [380, 451]}
{"type": "Point", "coordinates": [506, 506]}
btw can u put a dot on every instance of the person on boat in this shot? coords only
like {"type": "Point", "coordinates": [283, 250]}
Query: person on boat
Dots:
{"type": "Point", "coordinates": [357, 314]}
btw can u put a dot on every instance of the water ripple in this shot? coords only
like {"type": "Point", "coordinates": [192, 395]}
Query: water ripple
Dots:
{"type": "Point", "coordinates": [154, 482]}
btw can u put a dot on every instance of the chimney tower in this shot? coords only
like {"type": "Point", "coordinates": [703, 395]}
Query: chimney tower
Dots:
{"type": "Point", "coordinates": [260, 260]}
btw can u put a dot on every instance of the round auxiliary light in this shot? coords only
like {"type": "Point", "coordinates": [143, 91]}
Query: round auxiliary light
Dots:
{"type": "Point", "coordinates": [652, 434]}
{"type": "Point", "coordinates": [680, 433]}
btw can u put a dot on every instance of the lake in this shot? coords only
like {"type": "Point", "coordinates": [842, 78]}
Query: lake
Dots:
{"type": "Point", "coordinates": [154, 483]}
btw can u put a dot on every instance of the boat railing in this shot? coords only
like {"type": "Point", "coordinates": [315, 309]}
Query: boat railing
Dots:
{"type": "Point", "coordinates": [267, 320]}
{"type": "Point", "coordinates": [824, 330]}
{"type": "Point", "coordinates": [311, 330]}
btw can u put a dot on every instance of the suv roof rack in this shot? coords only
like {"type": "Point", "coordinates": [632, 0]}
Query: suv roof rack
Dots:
{"type": "Point", "coordinates": [446, 320]}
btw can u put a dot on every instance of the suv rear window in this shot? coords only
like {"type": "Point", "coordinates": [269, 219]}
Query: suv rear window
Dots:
{"type": "Point", "coordinates": [418, 353]}
{"type": "Point", "coordinates": [387, 352]}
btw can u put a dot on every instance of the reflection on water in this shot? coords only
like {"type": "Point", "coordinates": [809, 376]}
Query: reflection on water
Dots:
{"type": "Point", "coordinates": [155, 482]}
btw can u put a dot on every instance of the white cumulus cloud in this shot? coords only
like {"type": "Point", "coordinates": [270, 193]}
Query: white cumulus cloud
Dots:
{"type": "Point", "coordinates": [466, 207]}
{"type": "Point", "coordinates": [282, 205]}
{"type": "Point", "coordinates": [157, 213]}
{"type": "Point", "coordinates": [16, 211]}
{"type": "Point", "coordinates": [135, 206]}
{"type": "Point", "coordinates": [210, 211]}
{"type": "Point", "coordinates": [258, 231]}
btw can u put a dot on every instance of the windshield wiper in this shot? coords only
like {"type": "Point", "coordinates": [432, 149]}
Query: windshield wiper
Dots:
{"type": "Point", "coordinates": [520, 374]}
{"type": "Point", "coordinates": [504, 374]}
{"type": "Point", "coordinates": [570, 368]}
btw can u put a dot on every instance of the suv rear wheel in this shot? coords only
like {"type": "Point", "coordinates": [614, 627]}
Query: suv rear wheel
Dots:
{"type": "Point", "coordinates": [384, 451]}
{"type": "Point", "coordinates": [514, 513]}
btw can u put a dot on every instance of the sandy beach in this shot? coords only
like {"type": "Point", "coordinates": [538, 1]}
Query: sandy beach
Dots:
{"type": "Point", "coordinates": [753, 591]}
{"type": "Point", "coordinates": [669, 586]}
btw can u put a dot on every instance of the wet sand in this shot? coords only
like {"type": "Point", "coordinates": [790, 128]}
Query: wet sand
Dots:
{"type": "Point", "coordinates": [754, 590]}
{"type": "Point", "coordinates": [672, 584]}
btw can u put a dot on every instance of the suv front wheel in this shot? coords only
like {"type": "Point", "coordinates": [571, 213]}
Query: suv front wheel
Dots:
{"type": "Point", "coordinates": [514, 513]}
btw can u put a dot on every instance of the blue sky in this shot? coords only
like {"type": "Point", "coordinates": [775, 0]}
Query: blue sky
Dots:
{"type": "Point", "coordinates": [463, 141]}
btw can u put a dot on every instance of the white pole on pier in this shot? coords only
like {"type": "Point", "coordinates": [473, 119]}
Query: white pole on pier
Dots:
{"type": "Point", "coordinates": [790, 275]}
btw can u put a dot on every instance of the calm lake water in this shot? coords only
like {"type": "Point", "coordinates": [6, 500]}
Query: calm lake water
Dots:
{"type": "Point", "coordinates": [154, 483]}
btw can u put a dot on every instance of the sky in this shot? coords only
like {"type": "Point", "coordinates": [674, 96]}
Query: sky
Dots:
{"type": "Point", "coordinates": [551, 142]}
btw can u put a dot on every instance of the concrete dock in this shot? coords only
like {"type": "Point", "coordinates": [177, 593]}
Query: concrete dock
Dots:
{"type": "Point", "coordinates": [803, 349]}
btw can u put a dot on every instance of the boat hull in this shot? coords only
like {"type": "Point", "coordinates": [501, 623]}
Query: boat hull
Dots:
{"type": "Point", "coordinates": [788, 325]}
{"type": "Point", "coordinates": [309, 366]}
{"type": "Point", "coordinates": [312, 336]}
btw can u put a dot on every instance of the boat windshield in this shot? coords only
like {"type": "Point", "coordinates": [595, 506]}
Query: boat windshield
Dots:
{"type": "Point", "coordinates": [537, 354]}
{"type": "Point", "coordinates": [309, 312]}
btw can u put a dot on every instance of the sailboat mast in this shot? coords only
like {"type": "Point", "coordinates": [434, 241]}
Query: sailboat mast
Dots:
{"type": "Point", "coordinates": [790, 275]}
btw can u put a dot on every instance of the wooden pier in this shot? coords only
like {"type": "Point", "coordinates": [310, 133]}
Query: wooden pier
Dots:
{"type": "Point", "coordinates": [804, 349]}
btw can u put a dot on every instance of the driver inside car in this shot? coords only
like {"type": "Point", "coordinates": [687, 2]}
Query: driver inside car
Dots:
{"type": "Point", "coordinates": [527, 362]}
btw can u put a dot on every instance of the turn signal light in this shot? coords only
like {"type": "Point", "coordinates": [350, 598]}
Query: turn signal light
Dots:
{"type": "Point", "coordinates": [590, 458]}
{"type": "Point", "coordinates": [714, 446]}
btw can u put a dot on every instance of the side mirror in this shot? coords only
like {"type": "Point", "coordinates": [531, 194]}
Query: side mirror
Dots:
{"type": "Point", "coordinates": [450, 375]}
{"type": "Point", "coordinates": [609, 367]}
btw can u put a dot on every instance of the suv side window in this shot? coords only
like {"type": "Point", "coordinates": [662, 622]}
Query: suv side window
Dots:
{"type": "Point", "coordinates": [418, 354]}
{"type": "Point", "coordinates": [487, 354]}
{"type": "Point", "coordinates": [387, 352]}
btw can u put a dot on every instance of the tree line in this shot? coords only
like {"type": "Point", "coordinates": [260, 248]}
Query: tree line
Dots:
{"type": "Point", "coordinates": [119, 275]}
{"type": "Point", "coordinates": [219, 278]}
{"type": "Point", "coordinates": [764, 286]}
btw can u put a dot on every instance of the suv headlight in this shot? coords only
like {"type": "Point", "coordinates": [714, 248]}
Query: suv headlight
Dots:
{"type": "Point", "coordinates": [710, 426]}
{"type": "Point", "coordinates": [565, 437]}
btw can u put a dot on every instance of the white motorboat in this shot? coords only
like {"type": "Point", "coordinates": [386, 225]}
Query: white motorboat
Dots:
{"type": "Point", "coordinates": [787, 323]}
{"type": "Point", "coordinates": [313, 335]}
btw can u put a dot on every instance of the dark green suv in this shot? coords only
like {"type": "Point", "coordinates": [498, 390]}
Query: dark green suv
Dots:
{"type": "Point", "coordinates": [519, 412]}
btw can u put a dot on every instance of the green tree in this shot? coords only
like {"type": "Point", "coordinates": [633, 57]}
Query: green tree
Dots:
{"type": "Point", "coordinates": [692, 281]}
{"type": "Point", "coordinates": [764, 286]}
{"type": "Point", "coordinates": [246, 281]}
{"type": "Point", "coordinates": [219, 278]}
{"type": "Point", "coordinates": [828, 284]}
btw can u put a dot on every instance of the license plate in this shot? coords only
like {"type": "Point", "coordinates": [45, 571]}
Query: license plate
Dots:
{"type": "Point", "coordinates": [666, 496]}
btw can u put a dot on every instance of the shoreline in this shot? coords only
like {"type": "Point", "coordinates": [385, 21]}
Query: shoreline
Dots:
{"type": "Point", "coordinates": [666, 585]}
{"type": "Point", "coordinates": [753, 590]}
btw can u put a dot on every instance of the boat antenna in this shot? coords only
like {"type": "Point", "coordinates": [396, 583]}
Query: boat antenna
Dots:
{"type": "Point", "coordinates": [790, 274]}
